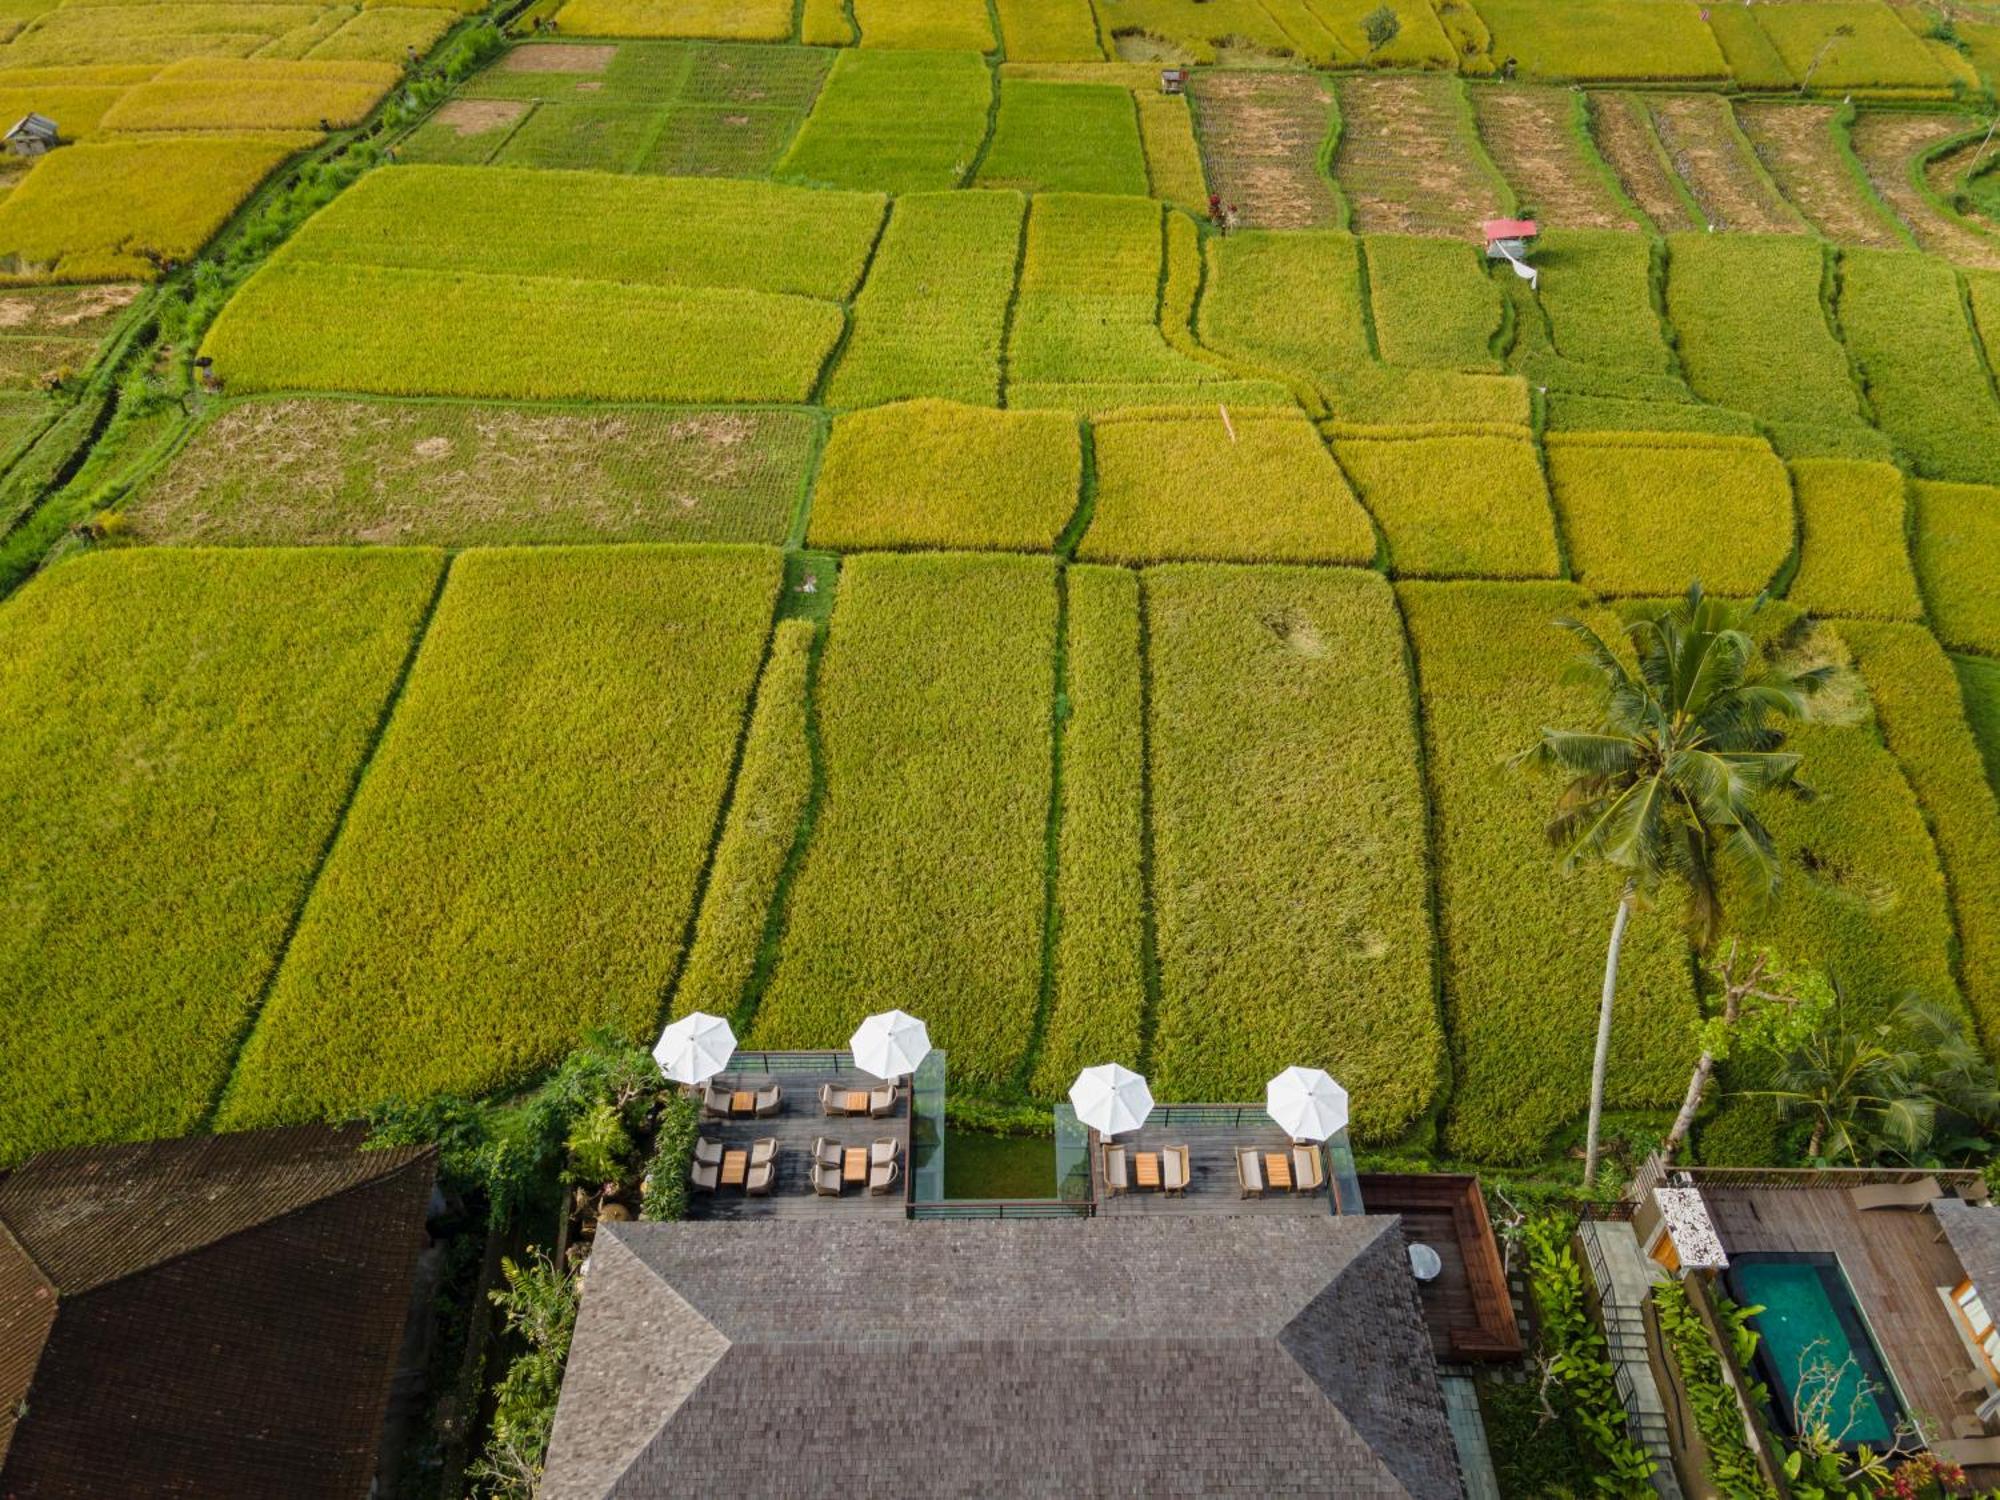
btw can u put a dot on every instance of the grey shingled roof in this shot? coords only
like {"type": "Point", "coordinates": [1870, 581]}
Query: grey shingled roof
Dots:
{"type": "Point", "coordinates": [1974, 1233]}
{"type": "Point", "coordinates": [1160, 1356]}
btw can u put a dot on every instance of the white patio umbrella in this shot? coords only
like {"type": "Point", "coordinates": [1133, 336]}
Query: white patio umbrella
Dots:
{"type": "Point", "coordinates": [695, 1048]}
{"type": "Point", "coordinates": [890, 1044]}
{"type": "Point", "coordinates": [1308, 1105]}
{"type": "Point", "coordinates": [1110, 1099]}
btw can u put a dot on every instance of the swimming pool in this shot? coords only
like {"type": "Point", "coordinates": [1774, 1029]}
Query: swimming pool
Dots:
{"type": "Point", "coordinates": [1810, 1319]}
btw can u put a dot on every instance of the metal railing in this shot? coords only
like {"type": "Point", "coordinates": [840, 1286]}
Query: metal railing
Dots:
{"type": "Point", "coordinates": [1003, 1208]}
{"type": "Point", "coordinates": [790, 1062]}
{"type": "Point", "coordinates": [1656, 1173]}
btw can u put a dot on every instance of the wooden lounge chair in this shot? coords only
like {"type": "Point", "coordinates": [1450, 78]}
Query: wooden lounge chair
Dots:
{"type": "Point", "coordinates": [1308, 1169]}
{"type": "Point", "coordinates": [1967, 1427]}
{"type": "Point", "coordinates": [1917, 1195]}
{"type": "Point", "coordinates": [1115, 1180]}
{"type": "Point", "coordinates": [882, 1101]}
{"type": "Point", "coordinates": [707, 1151]}
{"type": "Point", "coordinates": [768, 1101]}
{"type": "Point", "coordinates": [1249, 1172]}
{"type": "Point", "coordinates": [1174, 1170]}
{"type": "Point", "coordinates": [1969, 1453]}
{"type": "Point", "coordinates": [705, 1175]}
{"type": "Point", "coordinates": [832, 1101]}
{"type": "Point", "coordinates": [763, 1150]}
{"type": "Point", "coordinates": [1976, 1191]}
{"type": "Point", "coordinates": [826, 1152]}
{"type": "Point", "coordinates": [883, 1178]}
{"type": "Point", "coordinates": [757, 1183]}
{"type": "Point", "coordinates": [882, 1151]}
{"type": "Point", "coordinates": [715, 1100]}
{"type": "Point", "coordinates": [1972, 1385]}
{"type": "Point", "coordinates": [826, 1180]}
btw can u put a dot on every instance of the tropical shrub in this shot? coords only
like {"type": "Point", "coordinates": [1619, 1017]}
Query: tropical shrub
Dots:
{"type": "Point", "coordinates": [930, 320]}
{"type": "Point", "coordinates": [1433, 303]}
{"type": "Point", "coordinates": [925, 881]}
{"type": "Point", "coordinates": [178, 733]}
{"type": "Point", "coordinates": [124, 208]}
{"type": "Point", "coordinates": [1256, 487]}
{"type": "Point", "coordinates": [1644, 513]}
{"type": "Point", "coordinates": [456, 333]}
{"type": "Point", "coordinates": [937, 25]}
{"type": "Point", "coordinates": [666, 1181]}
{"type": "Point", "coordinates": [1718, 1415]}
{"type": "Point", "coordinates": [1753, 335]}
{"type": "Point", "coordinates": [520, 863]}
{"type": "Point", "coordinates": [1907, 329]}
{"type": "Point", "coordinates": [1086, 331]}
{"type": "Point", "coordinates": [1958, 530]}
{"type": "Point", "coordinates": [1065, 137]}
{"type": "Point", "coordinates": [1523, 947]}
{"type": "Point", "coordinates": [540, 1302]}
{"type": "Point", "coordinates": [897, 122]}
{"type": "Point", "coordinates": [1288, 840]}
{"type": "Point", "coordinates": [773, 786]}
{"type": "Point", "coordinates": [936, 474]}
{"type": "Point", "coordinates": [1853, 557]}
{"type": "Point", "coordinates": [1455, 505]}
{"type": "Point", "coordinates": [1098, 992]}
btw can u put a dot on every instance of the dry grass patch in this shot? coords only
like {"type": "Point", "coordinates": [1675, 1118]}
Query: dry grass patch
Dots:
{"type": "Point", "coordinates": [1711, 156]}
{"type": "Point", "coordinates": [1798, 147]}
{"type": "Point", "coordinates": [1535, 139]}
{"type": "Point", "coordinates": [545, 57]}
{"type": "Point", "coordinates": [1888, 143]}
{"type": "Point", "coordinates": [1624, 134]}
{"type": "Point", "coordinates": [1261, 135]}
{"type": "Point", "coordinates": [1409, 159]}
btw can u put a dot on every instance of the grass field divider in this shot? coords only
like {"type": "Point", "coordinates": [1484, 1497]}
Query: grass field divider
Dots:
{"type": "Point", "coordinates": [332, 840]}
{"type": "Point", "coordinates": [1586, 138]}
{"type": "Point", "coordinates": [1666, 161]}
{"type": "Point", "coordinates": [1538, 420]}
{"type": "Point", "coordinates": [795, 532]}
{"type": "Point", "coordinates": [1329, 145]}
{"type": "Point", "coordinates": [775, 916]}
{"type": "Point", "coordinates": [1367, 294]}
{"type": "Point", "coordinates": [1149, 914]}
{"type": "Point", "coordinates": [1842, 126]}
{"type": "Point", "coordinates": [1433, 897]}
{"type": "Point", "coordinates": [832, 361]}
{"type": "Point", "coordinates": [1468, 120]}
{"type": "Point", "coordinates": [1059, 710]}
{"type": "Point", "coordinates": [1079, 521]}
{"type": "Point", "coordinates": [1979, 344]}
{"type": "Point", "coordinates": [1659, 267]}
{"type": "Point", "coordinates": [42, 522]}
{"type": "Point", "coordinates": [1788, 570]}
{"type": "Point", "coordinates": [722, 810]}
{"type": "Point", "coordinates": [1384, 561]}
{"type": "Point", "coordinates": [971, 173]}
{"type": "Point", "coordinates": [1918, 168]}
{"type": "Point", "coordinates": [999, 53]}
{"type": "Point", "coordinates": [1013, 298]}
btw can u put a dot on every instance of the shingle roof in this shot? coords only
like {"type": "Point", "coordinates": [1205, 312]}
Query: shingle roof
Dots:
{"type": "Point", "coordinates": [1161, 1356]}
{"type": "Point", "coordinates": [1974, 1233]}
{"type": "Point", "coordinates": [215, 1316]}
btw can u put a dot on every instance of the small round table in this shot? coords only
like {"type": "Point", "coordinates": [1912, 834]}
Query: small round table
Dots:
{"type": "Point", "coordinates": [1425, 1264]}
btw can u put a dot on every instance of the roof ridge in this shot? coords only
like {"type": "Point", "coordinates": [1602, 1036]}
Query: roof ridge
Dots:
{"type": "Point", "coordinates": [28, 1255]}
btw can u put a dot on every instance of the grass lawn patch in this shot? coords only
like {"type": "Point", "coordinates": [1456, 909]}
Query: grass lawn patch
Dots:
{"type": "Point", "coordinates": [937, 474]}
{"type": "Point", "coordinates": [770, 796]}
{"type": "Point", "coordinates": [1906, 327]}
{"type": "Point", "coordinates": [1065, 137]}
{"type": "Point", "coordinates": [297, 469]}
{"type": "Point", "coordinates": [593, 137]}
{"type": "Point", "coordinates": [925, 883]}
{"type": "Point", "coordinates": [1647, 514]}
{"type": "Point", "coordinates": [1854, 557]}
{"type": "Point", "coordinates": [519, 864]}
{"type": "Point", "coordinates": [178, 734]}
{"type": "Point", "coordinates": [1588, 40]}
{"type": "Point", "coordinates": [1180, 485]}
{"type": "Point", "coordinates": [1460, 505]}
{"type": "Point", "coordinates": [1958, 536]}
{"type": "Point", "coordinates": [900, 122]}
{"type": "Point", "coordinates": [1288, 840]}
{"type": "Point", "coordinates": [1753, 335]}
{"type": "Point", "coordinates": [930, 320]}
{"type": "Point", "coordinates": [1261, 136]}
{"type": "Point", "coordinates": [1524, 947]}
{"type": "Point", "coordinates": [1099, 993]}
{"type": "Point", "coordinates": [1433, 303]}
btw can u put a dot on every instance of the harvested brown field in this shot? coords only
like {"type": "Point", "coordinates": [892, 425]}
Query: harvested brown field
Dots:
{"type": "Point", "coordinates": [1260, 136]}
{"type": "Point", "coordinates": [1409, 160]}
{"type": "Point", "coordinates": [1624, 133]}
{"type": "Point", "coordinates": [471, 117]}
{"type": "Point", "coordinates": [1556, 175]}
{"type": "Point", "coordinates": [1796, 143]}
{"type": "Point", "coordinates": [1887, 144]}
{"type": "Point", "coordinates": [1711, 156]}
{"type": "Point", "coordinates": [66, 311]}
{"type": "Point", "coordinates": [310, 470]}
{"type": "Point", "coordinates": [550, 57]}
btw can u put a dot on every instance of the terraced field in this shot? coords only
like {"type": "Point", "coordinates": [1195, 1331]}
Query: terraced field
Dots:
{"type": "Point", "coordinates": [793, 510]}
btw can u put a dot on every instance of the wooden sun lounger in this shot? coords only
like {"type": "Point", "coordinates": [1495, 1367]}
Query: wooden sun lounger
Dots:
{"type": "Point", "coordinates": [1249, 1172]}
{"type": "Point", "coordinates": [1308, 1169]}
{"type": "Point", "coordinates": [1920, 1194]}
{"type": "Point", "coordinates": [1174, 1170]}
{"type": "Point", "coordinates": [1115, 1179]}
{"type": "Point", "coordinates": [882, 1101]}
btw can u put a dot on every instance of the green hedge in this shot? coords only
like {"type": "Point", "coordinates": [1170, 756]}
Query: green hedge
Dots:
{"type": "Point", "coordinates": [1288, 840]}
{"type": "Point", "coordinates": [1732, 1465]}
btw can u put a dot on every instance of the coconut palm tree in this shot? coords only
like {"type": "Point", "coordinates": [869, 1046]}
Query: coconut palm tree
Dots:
{"type": "Point", "coordinates": [1664, 788]}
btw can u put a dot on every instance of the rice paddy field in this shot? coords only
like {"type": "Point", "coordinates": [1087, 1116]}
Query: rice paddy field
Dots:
{"type": "Point", "coordinates": [792, 510]}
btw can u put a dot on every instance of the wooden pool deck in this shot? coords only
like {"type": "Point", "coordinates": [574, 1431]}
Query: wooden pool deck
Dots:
{"type": "Point", "coordinates": [797, 1124]}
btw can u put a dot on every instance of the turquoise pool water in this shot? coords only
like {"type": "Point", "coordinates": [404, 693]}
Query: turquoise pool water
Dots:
{"type": "Point", "coordinates": [1809, 1319]}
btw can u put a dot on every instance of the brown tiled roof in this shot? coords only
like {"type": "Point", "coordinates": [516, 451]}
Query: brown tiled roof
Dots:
{"type": "Point", "coordinates": [1167, 1356]}
{"type": "Point", "coordinates": [223, 1314]}
{"type": "Point", "coordinates": [1974, 1233]}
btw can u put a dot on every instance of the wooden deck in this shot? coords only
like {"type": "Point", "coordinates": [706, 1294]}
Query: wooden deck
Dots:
{"type": "Point", "coordinates": [1467, 1308]}
{"type": "Point", "coordinates": [1212, 1185]}
{"type": "Point", "coordinates": [1895, 1262]}
{"type": "Point", "coordinates": [797, 1124]}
